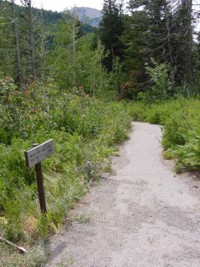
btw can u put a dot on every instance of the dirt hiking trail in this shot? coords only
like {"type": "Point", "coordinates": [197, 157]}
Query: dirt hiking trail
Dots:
{"type": "Point", "coordinates": [142, 215]}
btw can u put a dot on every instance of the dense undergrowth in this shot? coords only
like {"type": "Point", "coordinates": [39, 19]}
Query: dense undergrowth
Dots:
{"type": "Point", "coordinates": [181, 120]}
{"type": "Point", "coordinates": [84, 130]}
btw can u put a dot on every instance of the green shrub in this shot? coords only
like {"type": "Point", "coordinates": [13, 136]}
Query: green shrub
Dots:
{"type": "Point", "coordinates": [84, 130]}
{"type": "Point", "coordinates": [180, 118]}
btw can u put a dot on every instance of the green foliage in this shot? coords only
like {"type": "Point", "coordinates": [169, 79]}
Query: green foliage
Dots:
{"type": "Point", "coordinates": [180, 118]}
{"type": "Point", "coordinates": [7, 87]}
{"type": "Point", "coordinates": [157, 30]}
{"type": "Point", "coordinates": [11, 258]}
{"type": "Point", "coordinates": [110, 30]}
{"type": "Point", "coordinates": [85, 131]}
{"type": "Point", "coordinates": [74, 62]}
{"type": "Point", "coordinates": [135, 46]}
{"type": "Point", "coordinates": [7, 54]}
{"type": "Point", "coordinates": [159, 77]}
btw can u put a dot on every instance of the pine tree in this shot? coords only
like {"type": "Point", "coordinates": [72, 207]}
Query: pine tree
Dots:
{"type": "Point", "coordinates": [183, 41]}
{"type": "Point", "coordinates": [110, 31]}
{"type": "Point", "coordinates": [160, 30]}
{"type": "Point", "coordinates": [136, 46]}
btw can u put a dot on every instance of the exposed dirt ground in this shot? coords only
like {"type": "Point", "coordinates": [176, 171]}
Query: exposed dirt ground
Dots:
{"type": "Point", "coordinates": [142, 215]}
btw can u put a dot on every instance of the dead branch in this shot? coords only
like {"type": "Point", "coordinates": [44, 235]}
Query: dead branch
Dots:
{"type": "Point", "coordinates": [20, 249]}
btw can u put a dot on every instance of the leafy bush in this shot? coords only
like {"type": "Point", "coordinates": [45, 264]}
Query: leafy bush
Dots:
{"type": "Point", "coordinates": [84, 130]}
{"type": "Point", "coordinates": [180, 118]}
{"type": "Point", "coordinates": [161, 87]}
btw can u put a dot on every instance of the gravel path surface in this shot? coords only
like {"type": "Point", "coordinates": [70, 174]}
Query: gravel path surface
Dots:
{"type": "Point", "coordinates": [142, 215]}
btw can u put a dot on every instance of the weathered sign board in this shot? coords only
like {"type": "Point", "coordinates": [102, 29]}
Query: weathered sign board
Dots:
{"type": "Point", "coordinates": [35, 156]}
{"type": "Point", "coordinates": [39, 153]}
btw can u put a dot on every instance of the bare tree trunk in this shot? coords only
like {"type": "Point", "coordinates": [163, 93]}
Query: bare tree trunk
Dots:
{"type": "Point", "coordinates": [169, 43]}
{"type": "Point", "coordinates": [43, 50]}
{"type": "Point", "coordinates": [190, 43]}
{"type": "Point", "coordinates": [19, 67]}
{"type": "Point", "coordinates": [74, 51]}
{"type": "Point", "coordinates": [169, 40]}
{"type": "Point", "coordinates": [32, 41]}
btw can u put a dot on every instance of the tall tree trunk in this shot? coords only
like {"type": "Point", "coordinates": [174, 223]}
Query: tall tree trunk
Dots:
{"type": "Point", "coordinates": [42, 46]}
{"type": "Point", "coordinates": [19, 67]}
{"type": "Point", "coordinates": [32, 41]}
{"type": "Point", "coordinates": [190, 42]}
{"type": "Point", "coordinates": [169, 40]}
{"type": "Point", "coordinates": [169, 43]}
{"type": "Point", "coordinates": [186, 6]}
{"type": "Point", "coordinates": [74, 51]}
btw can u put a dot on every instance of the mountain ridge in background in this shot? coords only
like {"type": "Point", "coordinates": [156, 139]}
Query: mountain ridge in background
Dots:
{"type": "Point", "coordinates": [91, 16]}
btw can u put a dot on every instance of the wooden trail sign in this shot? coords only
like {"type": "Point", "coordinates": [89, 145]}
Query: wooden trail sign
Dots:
{"type": "Point", "coordinates": [38, 153]}
{"type": "Point", "coordinates": [35, 156]}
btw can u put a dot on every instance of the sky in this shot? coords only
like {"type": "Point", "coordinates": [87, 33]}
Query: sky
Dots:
{"type": "Point", "coordinates": [60, 5]}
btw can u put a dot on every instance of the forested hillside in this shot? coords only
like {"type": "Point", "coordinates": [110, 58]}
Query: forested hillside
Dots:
{"type": "Point", "coordinates": [156, 38]}
{"type": "Point", "coordinates": [61, 79]}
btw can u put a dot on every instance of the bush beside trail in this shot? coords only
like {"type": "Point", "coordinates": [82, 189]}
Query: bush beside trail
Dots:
{"type": "Point", "coordinates": [84, 130]}
{"type": "Point", "coordinates": [180, 118]}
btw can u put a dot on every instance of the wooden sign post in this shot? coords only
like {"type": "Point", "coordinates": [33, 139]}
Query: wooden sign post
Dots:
{"type": "Point", "coordinates": [35, 156]}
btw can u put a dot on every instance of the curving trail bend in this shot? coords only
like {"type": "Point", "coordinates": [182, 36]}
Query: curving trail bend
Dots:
{"type": "Point", "coordinates": [142, 215]}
